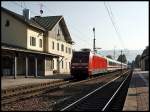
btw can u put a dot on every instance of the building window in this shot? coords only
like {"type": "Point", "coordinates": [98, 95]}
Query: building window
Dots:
{"type": "Point", "coordinates": [7, 23]}
{"type": "Point", "coordinates": [66, 49]}
{"type": "Point", "coordinates": [32, 41]}
{"type": "Point", "coordinates": [62, 47]}
{"type": "Point", "coordinates": [69, 50]}
{"type": "Point", "coordinates": [62, 64]}
{"type": "Point", "coordinates": [40, 43]}
{"type": "Point", "coordinates": [69, 65]}
{"type": "Point", "coordinates": [66, 65]}
{"type": "Point", "coordinates": [58, 33]}
{"type": "Point", "coordinates": [58, 46]}
{"type": "Point", "coordinates": [53, 45]}
{"type": "Point", "coordinates": [52, 64]}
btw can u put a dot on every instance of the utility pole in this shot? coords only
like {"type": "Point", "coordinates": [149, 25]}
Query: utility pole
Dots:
{"type": "Point", "coordinates": [114, 52]}
{"type": "Point", "coordinates": [121, 60]}
{"type": "Point", "coordinates": [94, 40]}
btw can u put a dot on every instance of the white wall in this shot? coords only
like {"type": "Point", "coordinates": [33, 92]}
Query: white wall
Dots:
{"type": "Point", "coordinates": [34, 33]}
{"type": "Point", "coordinates": [15, 33]}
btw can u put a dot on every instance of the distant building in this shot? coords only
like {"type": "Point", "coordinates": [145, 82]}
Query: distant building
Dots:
{"type": "Point", "coordinates": [37, 46]}
{"type": "Point", "coordinates": [144, 60]}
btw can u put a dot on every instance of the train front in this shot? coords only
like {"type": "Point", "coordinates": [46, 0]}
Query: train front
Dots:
{"type": "Point", "coordinates": [79, 64]}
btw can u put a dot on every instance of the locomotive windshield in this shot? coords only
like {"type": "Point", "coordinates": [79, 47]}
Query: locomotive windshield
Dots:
{"type": "Point", "coordinates": [80, 57]}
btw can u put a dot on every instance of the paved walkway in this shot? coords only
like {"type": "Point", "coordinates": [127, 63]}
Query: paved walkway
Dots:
{"type": "Point", "coordinates": [138, 92]}
{"type": "Point", "coordinates": [9, 82]}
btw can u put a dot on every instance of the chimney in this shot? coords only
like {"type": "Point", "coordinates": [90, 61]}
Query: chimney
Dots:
{"type": "Point", "coordinates": [26, 14]}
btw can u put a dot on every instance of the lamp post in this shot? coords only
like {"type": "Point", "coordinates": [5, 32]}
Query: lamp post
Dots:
{"type": "Point", "coordinates": [121, 61]}
{"type": "Point", "coordinates": [94, 40]}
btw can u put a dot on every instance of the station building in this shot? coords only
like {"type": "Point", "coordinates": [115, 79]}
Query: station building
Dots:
{"type": "Point", "coordinates": [37, 46]}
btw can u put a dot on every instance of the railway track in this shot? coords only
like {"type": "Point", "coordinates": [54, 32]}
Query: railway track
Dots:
{"type": "Point", "coordinates": [24, 92]}
{"type": "Point", "coordinates": [103, 98]}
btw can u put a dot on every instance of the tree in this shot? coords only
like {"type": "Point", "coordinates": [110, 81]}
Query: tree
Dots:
{"type": "Point", "coordinates": [133, 64]}
{"type": "Point", "coordinates": [122, 58]}
{"type": "Point", "coordinates": [137, 61]}
{"type": "Point", "coordinates": [109, 56]}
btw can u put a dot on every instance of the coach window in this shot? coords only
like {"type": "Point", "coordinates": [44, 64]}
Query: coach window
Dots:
{"type": "Point", "coordinates": [110, 63]}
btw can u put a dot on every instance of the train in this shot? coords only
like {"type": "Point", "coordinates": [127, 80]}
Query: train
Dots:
{"type": "Point", "coordinates": [87, 63]}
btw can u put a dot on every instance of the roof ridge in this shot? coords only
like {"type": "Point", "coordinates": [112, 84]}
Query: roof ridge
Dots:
{"type": "Point", "coordinates": [47, 22]}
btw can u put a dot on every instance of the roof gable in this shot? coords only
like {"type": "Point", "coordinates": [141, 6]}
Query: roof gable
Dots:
{"type": "Point", "coordinates": [65, 31]}
{"type": "Point", "coordinates": [43, 23]}
{"type": "Point", "coordinates": [49, 23]}
{"type": "Point", "coordinates": [22, 19]}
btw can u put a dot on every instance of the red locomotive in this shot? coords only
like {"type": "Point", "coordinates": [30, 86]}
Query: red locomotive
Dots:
{"type": "Point", "coordinates": [86, 63]}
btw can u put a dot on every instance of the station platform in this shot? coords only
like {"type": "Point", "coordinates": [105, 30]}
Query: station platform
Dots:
{"type": "Point", "coordinates": [137, 98]}
{"type": "Point", "coordinates": [9, 82]}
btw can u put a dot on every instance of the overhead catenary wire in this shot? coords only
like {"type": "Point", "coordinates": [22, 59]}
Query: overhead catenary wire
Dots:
{"type": "Point", "coordinates": [80, 33]}
{"type": "Point", "coordinates": [73, 26]}
{"type": "Point", "coordinates": [75, 29]}
{"type": "Point", "coordinates": [24, 7]}
{"type": "Point", "coordinates": [111, 16]}
{"type": "Point", "coordinates": [80, 38]}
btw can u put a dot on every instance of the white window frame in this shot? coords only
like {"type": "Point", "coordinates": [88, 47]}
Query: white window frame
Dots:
{"type": "Point", "coordinates": [40, 43]}
{"type": "Point", "coordinates": [31, 41]}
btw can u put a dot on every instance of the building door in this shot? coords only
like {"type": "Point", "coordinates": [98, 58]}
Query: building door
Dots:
{"type": "Point", "coordinates": [146, 64]}
{"type": "Point", "coordinates": [31, 65]}
{"type": "Point", "coordinates": [7, 65]}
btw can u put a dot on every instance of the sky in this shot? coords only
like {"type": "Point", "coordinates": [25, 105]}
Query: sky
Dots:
{"type": "Point", "coordinates": [130, 20]}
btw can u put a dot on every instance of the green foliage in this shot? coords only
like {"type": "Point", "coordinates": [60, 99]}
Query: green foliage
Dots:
{"type": "Point", "coordinates": [122, 58]}
{"type": "Point", "coordinates": [137, 61]}
{"type": "Point", "coordinates": [109, 56]}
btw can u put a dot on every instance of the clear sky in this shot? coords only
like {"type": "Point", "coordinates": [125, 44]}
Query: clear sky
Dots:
{"type": "Point", "coordinates": [131, 20]}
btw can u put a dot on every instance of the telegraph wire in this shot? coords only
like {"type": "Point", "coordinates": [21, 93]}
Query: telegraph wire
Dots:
{"type": "Point", "coordinates": [24, 7]}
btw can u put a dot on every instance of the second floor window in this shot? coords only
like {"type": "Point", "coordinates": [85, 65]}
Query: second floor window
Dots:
{"type": "Point", "coordinates": [32, 41]}
{"type": "Point", "coordinates": [58, 46]}
{"type": "Point", "coordinates": [69, 50]}
{"type": "Point", "coordinates": [53, 45]}
{"type": "Point", "coordinates": [62, 47]}
{"type": "Point", "coordinates": [40, 43]}
{"type": "Point", "coordinates": [66, 49]}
